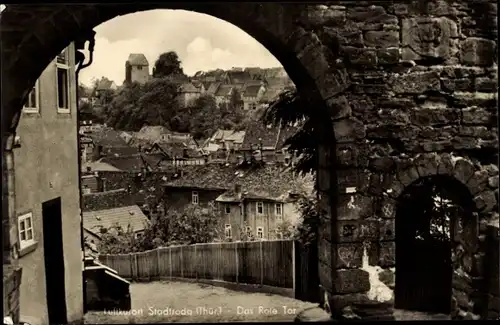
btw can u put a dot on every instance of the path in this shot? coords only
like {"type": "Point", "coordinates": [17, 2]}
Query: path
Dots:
{"type": "Point", "coordinates": [156, 301]}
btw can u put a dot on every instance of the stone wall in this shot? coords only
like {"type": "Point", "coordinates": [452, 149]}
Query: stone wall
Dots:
{"type": "Point", "coordinates": [493, 285]}
{"type": "Point", "coordinates": [11, 283]}
{"type": "Point", "coordinates": [422, 102]}
{"type": "Point", "coordinates": [107, 200]}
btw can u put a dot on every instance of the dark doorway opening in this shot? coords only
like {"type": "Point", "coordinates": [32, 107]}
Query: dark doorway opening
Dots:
{"type": "Point", "coordinates": [429, 222]}
{"type": "Point", "coordinates": [54, 261]}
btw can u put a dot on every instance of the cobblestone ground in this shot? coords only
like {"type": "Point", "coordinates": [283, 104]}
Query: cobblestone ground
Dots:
{"type": "Point", "coordinates": [415, 315]}
{"type": "Point", "coordinates": [155, 302]}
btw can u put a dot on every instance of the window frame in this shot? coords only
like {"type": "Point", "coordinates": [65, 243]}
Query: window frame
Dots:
{"type": "Point", "coordinates": [194, 194]}
{"type": "Point", "coordinates": [63, 66]}
{"type": "Point", "coordinates": [25, 243]}
{"type": "Point", "coordinates": [36, 109]}
{"type": "Point", "coordinates": [257, 208]}
{"type": "Point", "coordinates": [261, 231]}
{"type": "Point", "coordinates": [279, 215]}
{"type": "Point", "coordinates": [227, 227]}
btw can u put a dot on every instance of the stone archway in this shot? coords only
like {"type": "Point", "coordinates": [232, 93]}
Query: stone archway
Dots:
{"type": "Point", "coordinates": [42, 31]}
{"type": "Point", "coordinates": [468, 254]}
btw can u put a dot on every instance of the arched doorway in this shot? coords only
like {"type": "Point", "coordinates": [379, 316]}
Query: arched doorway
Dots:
{"type": "Point", "coordinates": [433, 214]}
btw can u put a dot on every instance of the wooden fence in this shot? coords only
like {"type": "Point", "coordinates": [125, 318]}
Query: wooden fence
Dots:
{"type": "Point", "coordinates": [276, 263]}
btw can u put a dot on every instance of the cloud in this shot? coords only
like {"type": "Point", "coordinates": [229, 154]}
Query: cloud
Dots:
{"type": "Point", "coordinates": [202, 42]}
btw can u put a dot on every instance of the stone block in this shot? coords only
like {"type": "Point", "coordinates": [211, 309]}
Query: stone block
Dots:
{"type": "Point", "coordinates": [351, 281]}
{"type": "Point", "coordinates": [325, 276]}
{"type": "Point", "coordinates": [360, 57]}
{"type": "Point", "coordinates": [387, 229]}
{"type": "Point", "coordinates": [339, 107]}
{"type": "Point", "coordinates": [408, 176]}
{"type": "Point", "coordinates": [384, 39]}
{"type": "Point", "coordinates": [388, 208]}
{"type": "Point", "coordinates": [432, 116]}
{"type": "Point", "coordinates": [325, 251]}
{"type": "Point", "coordinates": [478, 182]}
{"type": "Point", "coordinates": [463, 170]}
{"type": "Point", "coordinates": [427, 164]}
{"type": "Point", "coordinates": [332, 83]}
{"type": "Point", "coordinates": [478, 51]}
{"type": "Point", "coordinates": [416, 83]}
{"type": "Point", "coordinates": [486, 84]}
{"type": "Point", "coordinates": [354, 207]}
{"type": "Point", "coordinates": [446, 165]}
{"type": "Point", "coordinates": [485, 201]}
{"type": "Point", "coordinates": [475, 115]}
{"type": "Point", "coordinates": [387, 254]}
{"type": "Point", "coordinates": [321, 15]}
{"type": "Point", "coordinates": [388, 277]}
{"type": "Point", "coordinates": [313, 314]}
{"type": "Point", "coordinates": [461, 297]}
{"type": "Point", "coordinates": [349, 256]}
{"type": "Point", "coordinates": [472, 99]}
{"type": "Point", "coordinates": [427, 37]}
{"type": "Point", "coordinates": [493, 181]}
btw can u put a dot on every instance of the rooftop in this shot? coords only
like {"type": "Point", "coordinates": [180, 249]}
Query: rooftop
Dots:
{"type": "Point", "coordinates": [137, 59]}
{"type": "Point", "coordinates": [251, 91]}
{"type": "Point", "coordinates": [107, 137]}
{"type": "Point", "coordinates": [124, 216]}
{"type": "Point", "coordinates": [257, 133]}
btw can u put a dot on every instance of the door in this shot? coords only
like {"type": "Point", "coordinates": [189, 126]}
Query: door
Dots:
{"type": "Point", "coordinates": [54, 261]}
{"type": "Point", "coordinates": [423, 254]}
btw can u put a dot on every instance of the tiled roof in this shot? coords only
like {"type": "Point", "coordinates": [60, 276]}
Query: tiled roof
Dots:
{"type": "Point", "coordinates": [151, 133]}
{"type": "Point", "coordinates": [178, 150]}
{"type": "Point", "coordinates": [212, 89]}
{"type": "Point", "coordinates": [117, 151]}
{"type": "Point", "coordinates": [285, 132]}
{"type": "Point", "coordinates": [124, 216]}
{"type": "Point", "coordinates": [228, 135]}
{"type": "Point", "coordinates": [125, 163]}
{"type": "Point", "coordinates": [107, 137]}
{"type": "Point", "coordinates": [104, 84]}
{"type": "Point", "coordinates": [188, 88]}
{"type": "Point", "coordinates": [153, 160]}
{"type": "Point", "coordinates": [137, 59]}
{"type": "Point", "coordinates": [251, 91]}
{"type": "Point", "coordinates": [224, 90]}
{"type": "Point", "coordinates": [209, 176]}
{"type": "Point", "coordinates": [269, 182]}
{"type": "Point", "coordinates": [99, 166]}
{"type": "Point", "coordinates": [206, 85]}
{"type": "Point", "coordinates": [256, 130]}
{"type": "Point", "coordinates": [239, 76]}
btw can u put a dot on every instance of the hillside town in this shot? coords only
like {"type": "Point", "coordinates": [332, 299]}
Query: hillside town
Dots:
{"type": "Point", "coordinates": [159, 165]}
{"type": "Point", "coordinates": [155, 169]}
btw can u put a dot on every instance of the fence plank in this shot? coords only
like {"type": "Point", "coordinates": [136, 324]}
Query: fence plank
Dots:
{"type": "Point", "coordinates": [273, 263]}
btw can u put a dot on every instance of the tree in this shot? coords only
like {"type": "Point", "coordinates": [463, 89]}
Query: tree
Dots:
{"type": "Point", "coordinates": [292, 108]}
{"type": "Point", "coordinates": [158, 103]}
{"type": "Point", "coordinates": [116, 240]}
{"type": "Point", "coordinates": [167, 65]}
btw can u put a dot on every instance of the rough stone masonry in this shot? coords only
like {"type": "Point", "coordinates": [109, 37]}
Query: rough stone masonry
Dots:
{"type": "Point", "coordinates": [423, 101]}
{"type": "Point", "coordinates": [411, 89]}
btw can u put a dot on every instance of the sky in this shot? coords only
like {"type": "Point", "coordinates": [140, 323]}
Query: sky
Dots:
{"type": "Point", "coordinates": [202, 42]}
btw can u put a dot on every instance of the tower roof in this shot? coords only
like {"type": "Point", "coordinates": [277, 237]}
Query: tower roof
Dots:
{"type": "Point", "coordinates": [137, 59]}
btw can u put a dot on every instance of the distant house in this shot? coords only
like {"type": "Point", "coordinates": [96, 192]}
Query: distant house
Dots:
{"type": "Point", "coordinates": [108, 143]}
{"type": "Point", "coordinates": [188, 93]}
{"type": "Point", "coordinates": [96, 166]}
{"type": "Point", "coordinates": [232, 77]}
{"type": "Point", "coordinates": [151, 134]}
{"type": "Point", "coordinates": [228, 139]}
{"type": "Point", "coordinates": [252, 95]}
{"type": "Point", "coordinates": [261, 196]}
{"type": "Point", "coordinates": [267, 143]}
{"type": "Point", "coordinates": [137, 68]}
{"type": "Point", "coordinates": [223, 94]}
{"type": "Point", "coordinates": [134, 163]}
{"type": "Point", "coordinates": [200, 185]}
{"type": "Point", "coordinates": [177, 154]}
{"type": "Point", "coordinates": [201, 86]}
{"type": "Point", "coordinates": [104, 84]}
{"type": "Point", "coordinates": [127, 217]}
{"type": "Point", "coordinates": [263, 199]}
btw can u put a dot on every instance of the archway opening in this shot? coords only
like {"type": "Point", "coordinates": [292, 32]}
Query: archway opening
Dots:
{"type": "Point", "coordinates": [434, 217]}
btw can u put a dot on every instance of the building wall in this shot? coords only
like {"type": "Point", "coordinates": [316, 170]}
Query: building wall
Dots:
{"type": "Point", "coordinates": [139, 74]}
{"type": "Point", "coordinates": [46, 167]}
{"type": "Point", "coordinates": [179, 198]}
{"type": "Point", "coordinates": [268, 220]}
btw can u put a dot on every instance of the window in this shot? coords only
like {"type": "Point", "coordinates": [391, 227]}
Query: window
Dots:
{"type": "Point", "coordinates": [62, 57]}
{"type": "Point", "coordinates": [63, 89]}
{"type": "Point", "coordinates": [248, 231]}
{"type": "Point", "coordinates": [260, 208]}
{"type": "Point", "coordinates": [194, 197]}
{"type": "Point", "coordinates": [260, 232]}
{"type": "Point", "coordinates": [25, 224]}
{"type": "Point", "coordinates": [139, 67]}
{"type": "Point", "coordinates": [228, 209]}
{"type": "Point", "coordinates": [241, 209]}
{"type": "Point", "coordinates": [138, 234]}
{"type": "Point", "coordinates": [278, 210]}
{"type": "Point", "coordinates": [32, 103]}
{"type": "Point", "coordinates": [227, 231]}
